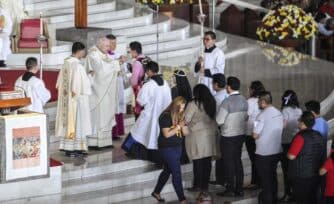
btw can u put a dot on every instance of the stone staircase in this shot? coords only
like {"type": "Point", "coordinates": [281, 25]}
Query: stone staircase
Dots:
{"type": "Point", "coordinates": [129, 21]}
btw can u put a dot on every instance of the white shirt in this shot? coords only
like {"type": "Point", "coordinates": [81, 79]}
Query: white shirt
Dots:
{"type": "Point", "coordinates": [35, 89]}
{"type": "Point", "coordinates": [253, 111]}
{"type": "Point", "coordinates": [290, 116]}
{"type": "Point", "coordinates": [269, 126]}
{"type": "Point", "coordinates": [220, 96]}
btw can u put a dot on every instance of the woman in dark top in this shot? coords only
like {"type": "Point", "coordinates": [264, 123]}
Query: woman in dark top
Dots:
{"type": "Point", "coordinates": [182, 87]}
{"type": "Point", "coordinates": [172, 129]}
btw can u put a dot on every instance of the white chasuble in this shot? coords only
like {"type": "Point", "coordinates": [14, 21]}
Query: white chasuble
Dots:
{"type": "Point", "coordinates": [155, 99]}
{"type": "Point", "coordinates": [104, 98]}
{"type": "Point", "coordinates": [214, 60]}
{"type": "Point", "coordinates": [73, 122]}
{"type": "Point", "coordinates": [6, 26]}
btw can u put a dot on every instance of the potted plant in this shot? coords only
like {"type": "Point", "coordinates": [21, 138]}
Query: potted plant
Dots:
{"type": "Point", "coordinates": [287, 26]}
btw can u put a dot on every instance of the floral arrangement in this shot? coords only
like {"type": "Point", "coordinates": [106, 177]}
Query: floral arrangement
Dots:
{"type": "Point", "coordinates": [287, 22]}
{"type": "Point", "coordinates": [166, 2]}
{"type": "Point", "coordinates": [168, 72]}
{"type": "Point", "coordinates": [282, 56]}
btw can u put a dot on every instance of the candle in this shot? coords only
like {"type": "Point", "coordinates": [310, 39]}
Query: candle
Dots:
{"type": "Point", "coordinates": [200, 7]}
{"type": "Point", "coordinates": [41, 23]}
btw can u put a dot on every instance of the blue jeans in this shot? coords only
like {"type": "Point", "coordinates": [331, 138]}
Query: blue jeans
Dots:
{"type": "Point", "coordinates": [172, 165]}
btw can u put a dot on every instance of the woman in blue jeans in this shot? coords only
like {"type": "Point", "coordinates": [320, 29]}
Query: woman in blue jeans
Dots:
{"type": "Point", "coordinates": [172, 129]}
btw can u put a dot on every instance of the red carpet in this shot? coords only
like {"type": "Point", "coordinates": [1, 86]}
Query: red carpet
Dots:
{"type": "Point", "coordinates": [8, 78]}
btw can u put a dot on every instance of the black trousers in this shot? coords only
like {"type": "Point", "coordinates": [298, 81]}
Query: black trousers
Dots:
{"type": "Point", "coordinates": [251, 147]}
{"type": "Point", "coordinates": [231, 148]}
{"type": "Point", "coordinates": [285, 167]}
{"type": "Point", "coordinates": [266, 167]}
{"type": "Point", "coordinates": [329, 200]}
{"type": "Point", "coordinates": [305, 189]}
{"type": "Point", "coordinates": [219, 172]}
{"type": "Point", "coordinates": [202, 171]}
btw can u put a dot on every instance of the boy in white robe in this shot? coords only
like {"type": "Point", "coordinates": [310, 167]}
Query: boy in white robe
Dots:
{"type": "Point", "coordinates": [73, 123]}
{"type": "Point", "coordinates": [33, 87]}
{"type": "Point", "coordinates": [212, 63]}
{"type": "Point", "coordinates": [6, 26]}
{"type": "Point", "coordinates": [103, 72]}
{"type": "Point", "coordinates": [154, 97]}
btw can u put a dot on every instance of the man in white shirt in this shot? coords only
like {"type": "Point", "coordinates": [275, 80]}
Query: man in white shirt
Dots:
{"type": "Point", "coordinates": [33, 87]}
{"type": "Point", "coordinates": [73, 123]}
{"type": "Point", "coordinates": [212, 62]}
{"type": "Point", "coordinates": [267, 132]}
{"type": "Point", "coordinates": [6, 25]}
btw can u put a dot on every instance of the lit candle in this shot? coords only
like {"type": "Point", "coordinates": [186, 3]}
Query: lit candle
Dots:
{"type": "Point", "coordinates": [41, 23]}
{"type": "Point", "coordinates": [200, 7]}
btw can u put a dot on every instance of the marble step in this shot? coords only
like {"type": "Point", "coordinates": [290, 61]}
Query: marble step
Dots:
{"type": "Point", "coordinates": [51, 5]}
{"type": "Point", "coordinates": [94, 8]}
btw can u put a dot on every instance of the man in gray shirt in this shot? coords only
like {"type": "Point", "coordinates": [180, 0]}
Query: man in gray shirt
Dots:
{"type": "Point", "coordinates": [232, 119]}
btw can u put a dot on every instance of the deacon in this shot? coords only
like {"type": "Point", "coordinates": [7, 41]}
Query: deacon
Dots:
{"type": "Point", "coordinates": [5, 31]}
{"type": "Point", "coordinates": [118, 130]}
{"type": "Point", "coordinates": [213, 61]}
{"type": "Point", "coordinates": [103, 72]}
{"type": "Point", "coordinates": [33, 87]}
{"type": "Point", "coordinates": [73, 124]}
{"type": "Point", "coordinates": [154, 97]}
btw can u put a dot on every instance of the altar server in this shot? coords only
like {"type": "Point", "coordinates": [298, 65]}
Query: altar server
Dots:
{"type": "Point", "coordinates": [33, 87]}
{"type": "Point", "coordinates": [73, 123]}
{"type": "Point", "coordinates": [118, 129]}
{"type": "Point", "coordinates": [103, 72]}
{"type": "Point", "coordinates": [6, 26]}
{"type": "Point", "coordinates": [154, 97]}
{"type": "Point", "coordinates": [213, 61]}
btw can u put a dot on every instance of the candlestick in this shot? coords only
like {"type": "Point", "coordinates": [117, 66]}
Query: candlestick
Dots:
{"type": "Point", "coordinates": [200, 7]}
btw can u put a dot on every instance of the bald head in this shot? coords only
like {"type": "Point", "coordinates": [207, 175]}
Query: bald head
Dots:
{"type": "Point", "coordinates": [104, 45]}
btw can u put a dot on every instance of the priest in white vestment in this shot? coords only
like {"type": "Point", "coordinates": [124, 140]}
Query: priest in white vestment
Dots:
{"type": "Point", "coordinates": [33, 87]}
{"type": "Point", "coordinates": [213, 61]}
{"type": "Point", "coordinates": [103, 71]}
{"type": "Point", "coordinates": [6, 26]}
{"type": "Point", "coordinates": [73, 124]}
{"type": "Point", "coordinates": [154, 97]}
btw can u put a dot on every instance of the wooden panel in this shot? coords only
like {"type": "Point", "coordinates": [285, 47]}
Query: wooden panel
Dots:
{"type": "Point", "coordinates": [81, 12]}
{"type": "Point", "coordinates": [232, 21]}
{"type": "Point", "coordinates": [10, 103]}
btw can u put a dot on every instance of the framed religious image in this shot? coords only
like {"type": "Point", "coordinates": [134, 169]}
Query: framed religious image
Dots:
{"type": "Point", "coordinates": [24, 147]}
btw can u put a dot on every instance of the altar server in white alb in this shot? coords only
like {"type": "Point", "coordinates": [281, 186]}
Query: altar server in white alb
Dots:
{"type": "Point", "coordinates": [103, 71]}
{"type": "Point", "coordinates": [6, 26]}
{"type": "Point", "coordinates": [154, 97]}
{"type": "Point", "coordinates": [73, 124]}
{"type": "Point", "coordinates": [33, 87]}
{"type": "Point", "coordinates": [213, 61]}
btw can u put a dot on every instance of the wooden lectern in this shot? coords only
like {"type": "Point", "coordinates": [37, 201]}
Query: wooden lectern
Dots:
{"type": "Point", "coordinates": [81, 12]}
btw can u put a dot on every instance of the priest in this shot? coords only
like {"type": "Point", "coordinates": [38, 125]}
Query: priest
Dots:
{"type": "Point", "coordinates": [103, 71]}
{"type": "Point", "coordinates": [213, 61]}
{"type": "Point", "coordinates": [73, 124]}
{"type": "Point", "coordinates": [6, 26]}
{"type": "Point", "coordinates": [154, 97]}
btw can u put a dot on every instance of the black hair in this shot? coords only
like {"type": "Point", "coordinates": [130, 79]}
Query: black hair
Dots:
{"type": "Point", "coordinates": [183, 85]}
{"type": "Point", "coordinates": [31, 62]}
{"type": "Point", "coordinates": [111, 37]}
{"type": "Point", "coordinates": [219, 79]}
{"type": "Point", "coordinates": [136, 46]}
{"type": "Point", "coordinates": [266, 96]}
{"type": "Point", "coordinates": [203, 96]}
{"type": "Point", "coordinates": [308, 119]}
{"type": "Point", "coordinates": [290, 99]}
{"type": "Point", "coordinates": [233, 82]}
{"type": "Point", "coordinates": [77, 46]}
{"type": "Point", "coordinates": [211, 34]}
{"type": "Point", "coordinates": [329, 23]}
{"type": "Point", "coordinates": [319, 16]}
{"type": "Point", "coordinates": [153, 66]}
{"type": "Point", "coordinates": [313, 106]}
{"type": "Point", "coordinates": [256, 88]}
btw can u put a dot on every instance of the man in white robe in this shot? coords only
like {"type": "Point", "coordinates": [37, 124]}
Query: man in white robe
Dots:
{"type": "Point", "coordinates": [212, 63]}
{"type": "Point", "coordinates": [6, 26]}
{"type": "Point", "coordinates": [154, 97]}
{"type": "Point", "coordinates": [33, 87]}
{"type": "Point", "coordinates": [73, 124]}
{"type": "Point", "coordinates": [103, 101]}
